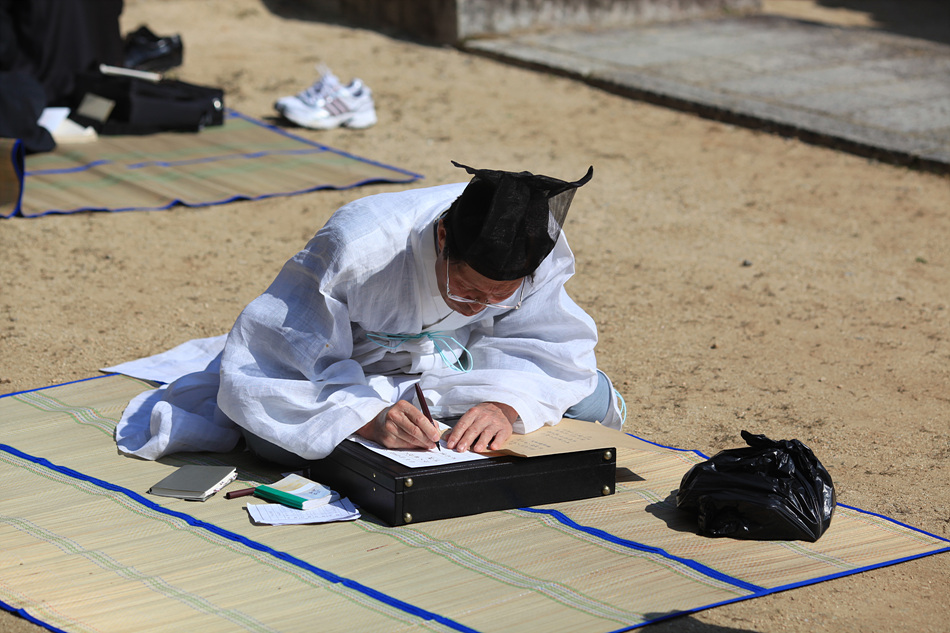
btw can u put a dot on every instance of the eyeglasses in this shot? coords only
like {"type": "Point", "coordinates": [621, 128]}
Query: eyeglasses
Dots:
{"type": "Point", "coordinates": [499, 306]}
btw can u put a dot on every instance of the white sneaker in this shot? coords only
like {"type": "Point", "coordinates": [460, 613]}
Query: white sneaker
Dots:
{"type": "Point", "coordinates": [327, 84]}
{"type": "Point", "coordinates": [327, 104]}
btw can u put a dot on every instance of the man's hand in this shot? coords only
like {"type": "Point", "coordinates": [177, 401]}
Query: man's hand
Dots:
{"type": "Point", "coordinates": [401, 426]}
{"type": "Point", "coordinates": [486, 426]}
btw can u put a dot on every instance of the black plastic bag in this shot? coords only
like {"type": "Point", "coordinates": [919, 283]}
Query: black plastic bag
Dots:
{"type": "Point", "coordinates": [772, 490]}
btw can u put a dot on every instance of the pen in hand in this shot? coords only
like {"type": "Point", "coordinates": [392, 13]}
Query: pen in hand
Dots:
{"type": "Point", "coordinates": [425, 410]}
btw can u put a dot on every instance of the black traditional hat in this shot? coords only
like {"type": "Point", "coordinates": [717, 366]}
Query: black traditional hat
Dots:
{"type": "Point", "coordinates": [505, 223]}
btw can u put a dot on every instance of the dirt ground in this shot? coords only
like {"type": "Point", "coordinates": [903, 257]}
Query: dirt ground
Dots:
{"type": "Point", "coordinates": [739, 280]}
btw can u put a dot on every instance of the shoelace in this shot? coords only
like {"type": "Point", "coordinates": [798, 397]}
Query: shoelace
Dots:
{"type": "Point", "coordinates": [319, 90]}
{"type": "Point", "coordinates": [439, 339]}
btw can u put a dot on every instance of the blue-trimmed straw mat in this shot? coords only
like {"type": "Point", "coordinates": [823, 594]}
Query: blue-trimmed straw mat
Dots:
{"type": "Point", "coordinates": [244, 159]}
{"type": "Point", "coordinates": [85, 548]}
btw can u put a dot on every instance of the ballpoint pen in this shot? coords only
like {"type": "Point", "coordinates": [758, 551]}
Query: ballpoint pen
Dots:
{"type": "Point", "coordinates": [239, 493]}
{"type": "Point", "coordinates": [425, 410]}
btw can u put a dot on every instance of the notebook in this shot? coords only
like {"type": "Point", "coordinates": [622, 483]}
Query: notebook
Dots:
{"type": "Point", "coordinates": [194, 482]}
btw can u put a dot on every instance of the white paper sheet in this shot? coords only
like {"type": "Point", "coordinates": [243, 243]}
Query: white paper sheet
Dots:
{"type": "Point", "coordinates": [277, 514]}
{"type": "Point", "coordinates": [420, 458]}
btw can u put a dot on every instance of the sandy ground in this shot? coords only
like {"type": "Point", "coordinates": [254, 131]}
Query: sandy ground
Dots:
{"type": "Point", "coordinates": [739, 280]}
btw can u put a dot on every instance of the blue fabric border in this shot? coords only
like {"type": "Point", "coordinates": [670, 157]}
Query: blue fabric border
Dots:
{"type": "Point", "coordinates": [640, 547]}
{"type": "Point", "coordinates": [243, 540]}
{"type": "Point", "coordinates": [781, 588]}
{"type": "Point", "coordinates": [23, 613]}
{"type": "Point", "coordinates": [409, 176]}
{"type": "Point", "coordinates": [669, 448]}
{"type": "Point", "coordinates": [62, 384]}
{"type": "Point", "coordinates": [895, 521]}
{"type": "Point", "coordinates": [326, 148]}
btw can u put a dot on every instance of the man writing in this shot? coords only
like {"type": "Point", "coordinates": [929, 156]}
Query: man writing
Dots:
{"type": "Point", "coordinates": [457, 287]}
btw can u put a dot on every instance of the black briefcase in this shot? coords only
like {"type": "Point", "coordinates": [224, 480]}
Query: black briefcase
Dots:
{"type": "Point", "coordinates": [398, 495]}
{"type": "Point", "coordinates": [147, 107]}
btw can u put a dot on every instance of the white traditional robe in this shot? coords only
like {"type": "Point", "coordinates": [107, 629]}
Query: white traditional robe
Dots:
{"type": "Point", "coordinates": [300, 371]}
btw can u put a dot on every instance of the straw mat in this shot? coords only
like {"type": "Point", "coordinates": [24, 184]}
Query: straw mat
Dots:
{"type": "Point", "coordinates": [85, 548]}
{"type": "Point", "coordinates": [240, 160]}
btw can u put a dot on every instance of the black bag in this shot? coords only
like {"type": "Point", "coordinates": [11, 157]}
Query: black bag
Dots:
{"type": "Point", "coordinates": [772, 490]}
{"type": "Point", "coordinates": [145, 107]}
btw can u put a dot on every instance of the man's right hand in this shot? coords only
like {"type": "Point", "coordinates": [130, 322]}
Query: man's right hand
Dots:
{"type": "Point", "coordinates": [401, 426]}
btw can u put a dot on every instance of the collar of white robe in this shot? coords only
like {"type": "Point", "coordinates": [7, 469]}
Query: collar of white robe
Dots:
{"type": "Point", "coordinates": [441, 340]}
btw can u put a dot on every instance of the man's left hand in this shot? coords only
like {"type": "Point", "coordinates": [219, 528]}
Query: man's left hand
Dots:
{"type": "Point", "coordinates": [486, 426]}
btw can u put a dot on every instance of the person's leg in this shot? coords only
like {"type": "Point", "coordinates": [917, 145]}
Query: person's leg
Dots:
{"type": "Point", "coordinates": [273, 453]}
{"type": "Point", "coordinates": [603, 405]}
{"type": "Point", "coordinates": [70, 36]}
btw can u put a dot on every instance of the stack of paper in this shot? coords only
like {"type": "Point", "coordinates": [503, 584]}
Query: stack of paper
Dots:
{"type": "Point", "coordinates": [277, 514]}
{"type": "Point", "coordinates": [297, 492]}
{"type": "Point", "coordinates": [300, 500]}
